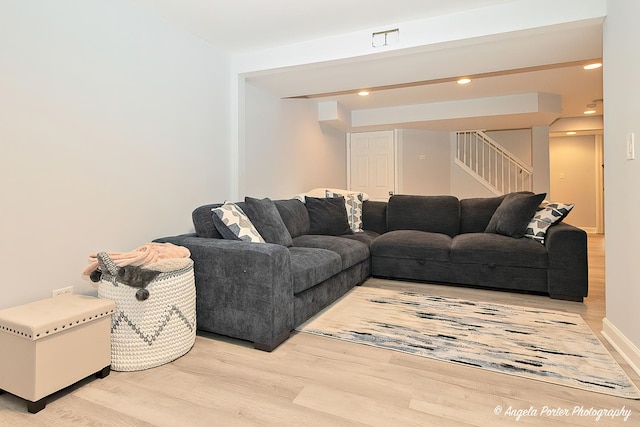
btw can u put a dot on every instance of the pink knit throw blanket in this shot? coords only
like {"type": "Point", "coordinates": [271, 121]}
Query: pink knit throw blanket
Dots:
{"type": "Point", "coordinates": [144, 255]}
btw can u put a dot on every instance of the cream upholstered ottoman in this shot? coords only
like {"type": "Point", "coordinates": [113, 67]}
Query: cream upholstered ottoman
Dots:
{"type": "Point", "coordinates": [50, 344]}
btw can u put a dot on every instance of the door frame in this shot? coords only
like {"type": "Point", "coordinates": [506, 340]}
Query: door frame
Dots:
{"type": "Point", "coordinates": [599, 151]}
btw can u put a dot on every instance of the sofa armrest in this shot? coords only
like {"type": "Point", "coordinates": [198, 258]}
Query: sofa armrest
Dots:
{"type": "Point", "coordinates": [568, 264]}
{"type": "Point", "coordinates": [243, 290]}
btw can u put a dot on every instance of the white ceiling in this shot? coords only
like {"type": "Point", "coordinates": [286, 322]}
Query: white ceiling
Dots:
{"type": "Point", "coordinates": [547, 61]}
{"type": "Point", "coordinates": [246, 25]}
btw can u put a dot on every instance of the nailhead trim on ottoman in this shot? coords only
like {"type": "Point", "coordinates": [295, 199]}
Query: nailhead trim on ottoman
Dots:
{"type": "Point", "coordinates": [50, 344]}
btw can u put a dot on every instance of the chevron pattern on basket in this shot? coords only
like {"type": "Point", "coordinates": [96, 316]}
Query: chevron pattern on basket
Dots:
{"type": "Point", "coordinates": [158, 330]}
{"type": "Point", "coordinates": [150, 338]}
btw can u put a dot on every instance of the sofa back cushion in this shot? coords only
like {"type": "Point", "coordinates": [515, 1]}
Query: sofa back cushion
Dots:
{"type": "Point", "coordinates": [374, 216]}
{"type": "Point", "coordinates": [267, 220]}
{"type": "Point", "coordinates": [294, 215]}
{"type": "Point", "coordinates": [327, 216]}
{"type": "Point", "coordinates": [203, 221]}
{"type": "Point", "coordinates": [435, 214]}
{"type": "Point", "coordinates": [475, 214]}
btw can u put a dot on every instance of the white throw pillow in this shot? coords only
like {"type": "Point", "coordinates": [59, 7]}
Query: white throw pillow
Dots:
{"type": "Point", "coordinates": [301, 197]}
{"type": "Point", "coordinates": [546, 215]}
{"type": "Point", "coordinates": [237, 223]}
{"type": "Point", "coordinates": [353, 205]}
{"type": "Point", "coordinates": [321, 192]}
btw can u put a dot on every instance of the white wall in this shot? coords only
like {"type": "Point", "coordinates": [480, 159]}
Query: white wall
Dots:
{"type": "Point", "coordinates": [516, 141]}
{"type": "Point", "coordinates": [286, 149]}
{"type": "Point", "coordinates": [424, 162]}
{"type": "Point", "coordinates": [464, 186]}
{"type": "Point", "coordinates": [622, 196]}
{"type": "Point", "coordinates": [113, 127]}
{"type": "Point", "coordinates": [540, 159]}
{"type": "Point", "coordinates": [573, 177]}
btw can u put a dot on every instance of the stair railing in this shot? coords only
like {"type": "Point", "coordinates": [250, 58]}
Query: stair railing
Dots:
{"type": "Point", "coordinates": [491, 164]}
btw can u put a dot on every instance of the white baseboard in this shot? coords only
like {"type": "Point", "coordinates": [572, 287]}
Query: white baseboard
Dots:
{"type": "Point", "coordinates": [626, 348]}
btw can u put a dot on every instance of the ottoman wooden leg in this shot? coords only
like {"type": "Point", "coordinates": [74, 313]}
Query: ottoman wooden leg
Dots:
{"type": "Point", "coordinates": [103, 372]}
{"type": "Point", "coordinates": [37, 406]}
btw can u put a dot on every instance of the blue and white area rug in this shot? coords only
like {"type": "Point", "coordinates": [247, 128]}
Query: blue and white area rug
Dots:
{"type": "Point", "coordinates": [545, 345]}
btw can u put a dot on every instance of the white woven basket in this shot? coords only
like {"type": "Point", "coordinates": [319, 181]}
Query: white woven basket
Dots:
{"type": "Point", "coordinates": [158, 330]}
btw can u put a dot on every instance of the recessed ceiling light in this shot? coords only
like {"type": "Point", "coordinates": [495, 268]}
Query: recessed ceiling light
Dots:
{"type": "Point", "coordinates": [464, 81]}
{"type": "Point", "coordinates": [363, 93]}
{"type": "Point", "coordinates": [590, 112]}
{"type": "Point", "coordinates": [592, 66]}
{"type": "Point", "coordinates": [571, 133]}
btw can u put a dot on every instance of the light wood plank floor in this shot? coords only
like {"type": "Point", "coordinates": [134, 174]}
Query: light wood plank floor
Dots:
{"type": "Point", "coordinates": [316, 381]}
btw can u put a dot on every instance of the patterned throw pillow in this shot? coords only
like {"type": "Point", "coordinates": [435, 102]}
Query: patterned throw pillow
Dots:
{"type": "Point", "coordinates": [353, 205]}
{"type": "Point", "coordinates": [546, 215]}
{"type": "Point", "coordinates": [232, 223]}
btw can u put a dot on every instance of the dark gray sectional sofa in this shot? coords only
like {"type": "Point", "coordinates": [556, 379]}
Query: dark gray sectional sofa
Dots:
{"type": "Point", "coordinates": [260, 292]}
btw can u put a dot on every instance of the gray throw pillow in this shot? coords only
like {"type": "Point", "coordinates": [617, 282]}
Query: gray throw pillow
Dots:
{"type": "Point", "coordinates": [514, 213]}
{"type": "Point", "coordinates": [353, 206]}
{"type": "Point", "coordinates": [327, 216]}
{"type": "Point", "coordinates": [264, 215]}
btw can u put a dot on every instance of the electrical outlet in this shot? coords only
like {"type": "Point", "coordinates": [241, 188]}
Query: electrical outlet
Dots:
{"type": "Point", "coordinates": [62, 291]}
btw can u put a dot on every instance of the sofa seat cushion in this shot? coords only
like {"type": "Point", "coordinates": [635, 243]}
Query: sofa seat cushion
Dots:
{"type": "Point", "coordinates": [310, 266]}
{"type": "Point", "coordinates": [496, 249]}
{"type": "Point", "coordinates": [364, 236]}
{"type": "Point", "coordinates": [412, 244]}
{"type": "Point", "coordinates": [350, 251]}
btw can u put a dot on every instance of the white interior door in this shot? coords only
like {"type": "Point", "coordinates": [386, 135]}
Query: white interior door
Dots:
{"type": "Point", "coordinates": [372, 164]}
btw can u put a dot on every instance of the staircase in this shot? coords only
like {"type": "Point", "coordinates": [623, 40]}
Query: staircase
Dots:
{"type": "Point", "coordinates": [491, 164]}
